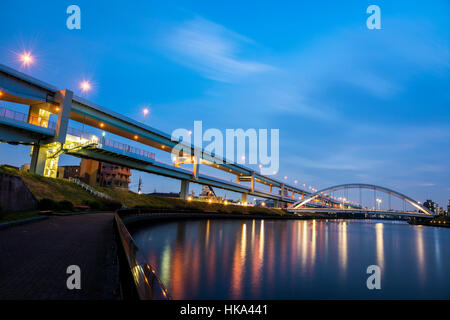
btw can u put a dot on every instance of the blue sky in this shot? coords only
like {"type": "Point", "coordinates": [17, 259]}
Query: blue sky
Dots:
{"type": "Point", "coordinates": [352, 104]}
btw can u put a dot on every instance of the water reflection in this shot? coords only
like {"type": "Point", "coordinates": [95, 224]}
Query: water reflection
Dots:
{"type": "Point", "coordinates": [379, 244]}
{"type": "Point", "coordinates": [257, 259]}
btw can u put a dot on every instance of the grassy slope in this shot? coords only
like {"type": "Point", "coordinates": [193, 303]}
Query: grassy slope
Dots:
{"type": "Point", "coordinates": [55, 189]}
{"type": "Point", "coordinates": [131, 199]}
{"type": "Point", "coordinates": [58, 190]}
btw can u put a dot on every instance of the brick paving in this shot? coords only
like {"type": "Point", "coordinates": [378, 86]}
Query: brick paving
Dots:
{"type": "Point", "coordinates": [34, 258]}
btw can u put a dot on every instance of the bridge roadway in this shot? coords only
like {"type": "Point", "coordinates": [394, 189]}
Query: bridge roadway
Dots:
{"type": "Point", "coordinates": [363, 211]}
{"type": "Point", "coordinates": [44, 99]}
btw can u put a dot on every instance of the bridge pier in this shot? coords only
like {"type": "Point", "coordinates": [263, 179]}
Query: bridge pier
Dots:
{"type": "Point", "coordinates": [244, 198]}
{"type": "Point", "coordinates": [184, 189]}
{"type": "Point", "coordinates": [43, 159]}
{"type": "Point", "coordinates": [38, 158]}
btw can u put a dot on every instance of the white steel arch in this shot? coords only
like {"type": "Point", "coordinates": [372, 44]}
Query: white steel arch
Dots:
{"type": "Point", "coordinates": [399, 195]}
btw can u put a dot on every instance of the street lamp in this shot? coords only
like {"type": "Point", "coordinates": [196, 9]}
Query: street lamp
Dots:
{"type": "Point", "coordinates": [378, 203]}
{"type": "Point", "coordinates": [26, 59]}
{"type": "Point", "coordinates": [145, 111]}
{"type": "Point", "coordinates": [85, 86]}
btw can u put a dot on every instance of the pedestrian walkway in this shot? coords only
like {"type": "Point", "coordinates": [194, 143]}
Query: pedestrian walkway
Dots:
{"type": "Point", "coordinates": [34, 258]}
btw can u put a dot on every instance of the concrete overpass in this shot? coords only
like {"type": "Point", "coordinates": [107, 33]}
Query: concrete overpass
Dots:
{"type": "Point", "coordinates": [48, 140]}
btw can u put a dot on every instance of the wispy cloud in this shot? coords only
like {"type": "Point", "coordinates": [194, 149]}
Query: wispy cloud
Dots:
{"type": "Point", "coordinates": [213, 50]}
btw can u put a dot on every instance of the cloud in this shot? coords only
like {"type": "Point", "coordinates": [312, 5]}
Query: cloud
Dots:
{"type": "Point", "coordinates": [212, 50]}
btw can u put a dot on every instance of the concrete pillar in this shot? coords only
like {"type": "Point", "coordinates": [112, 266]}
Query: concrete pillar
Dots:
{"type": "Point", "coordinates": [196, 167]}
{"type": "Point", "coordinates": [184, 189]}
{"type": "Point", "coordinates": [276, 203]}
{"type": "Point", "coordinates": [282, 190]}
{"type": "Point", "coordinates": [252, 182]}
{"type": "Point", "coordinates": [270, 188]}
{"type": "Point", "coordinates": [38, 158]}
{"type": "Point", "coordinates": [64, 98]}
{"type": "Point", "coordinates": [244, 198]}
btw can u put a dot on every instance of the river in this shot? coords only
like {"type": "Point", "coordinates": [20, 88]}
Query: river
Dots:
{"type": "Point", "coordinates": [297, 259]}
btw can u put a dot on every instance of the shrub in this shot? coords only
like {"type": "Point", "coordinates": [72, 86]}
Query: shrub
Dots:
{"type": "Point", "coordinates": [110, 205]}
{"type": "Point", "coordinates": [65, 205]}
{"type": "Point", "coordinates": [47, 204]}
{"type": "Point", "coordinates": [94, 205]}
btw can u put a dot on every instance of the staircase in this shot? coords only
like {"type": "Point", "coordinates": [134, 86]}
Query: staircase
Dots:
{"type": "Point", "coordinates": [89, 189]}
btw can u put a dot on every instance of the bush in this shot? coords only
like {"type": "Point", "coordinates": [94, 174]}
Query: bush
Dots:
{"type": "Point", "coordinates": [47, 204]}
{"type": "Point", "coordinates": [104, 205]}
{"type": "Point", "coordinates": [65, 205]}
{"type": "Point", "coordinates": [110, 205]}
{"type": "Point", "coordinates": [94, 205]}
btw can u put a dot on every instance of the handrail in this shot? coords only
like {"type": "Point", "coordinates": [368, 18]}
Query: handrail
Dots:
{"type": "Point", "coordinates": [89, 189]}
{"type": "Point", "coordinates": [147, 283]}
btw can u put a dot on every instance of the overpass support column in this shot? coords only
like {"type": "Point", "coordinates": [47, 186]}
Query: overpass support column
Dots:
{"type": "Point", "coordinates": [38, 159]}
{"type": "Point", "coordinates": [44, 159]}
{"type": "Point", "coordinates": [196, 167]}
{"type": "Point", "coordinates": [277, 204]}
{"type": "Point", "coordinates": [244, 198]}
{"type": "Point", "coordinates": [64, 98]}
{"type": "Point", "coordinates": [184, 189]}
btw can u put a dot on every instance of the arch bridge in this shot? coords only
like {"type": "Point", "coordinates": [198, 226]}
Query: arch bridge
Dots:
{"type": "Point", "coordinates": [326, 202]}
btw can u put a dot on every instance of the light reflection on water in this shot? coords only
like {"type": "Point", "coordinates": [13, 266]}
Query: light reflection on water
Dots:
{"type": "Point", "coordinates": [297, 259]}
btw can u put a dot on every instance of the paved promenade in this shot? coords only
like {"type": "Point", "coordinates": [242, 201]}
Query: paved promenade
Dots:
{"type": "Point", "coordinates": [34, 258]}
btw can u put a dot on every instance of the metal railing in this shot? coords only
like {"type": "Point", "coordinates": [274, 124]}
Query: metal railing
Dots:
{"type": "Point", "coordinates": [89, 189]}
{"type": "Point", "coordinates": [23, 117]}
{"type": "Point", "coordinates": [146, 282]}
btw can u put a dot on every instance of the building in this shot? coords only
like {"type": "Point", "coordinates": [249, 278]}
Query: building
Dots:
{"type": "Point", "coordinates": [66, 172]}
{"type": "Point", "coordinates": [209, 194]}
{"type": "Point", "coordinates": [430, 205]}
{"type": "Point", "coordinates": [165, 194]}
{"type": "Point", "coordinates": [448, 208]}
{"type": "Point", "coordinates": [104, 174]}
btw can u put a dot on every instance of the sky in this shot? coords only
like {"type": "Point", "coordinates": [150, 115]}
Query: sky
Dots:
{"type": "Point", "coordinates": [352, 104]}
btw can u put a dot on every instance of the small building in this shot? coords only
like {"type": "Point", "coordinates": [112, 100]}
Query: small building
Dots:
{"type": "Point", "coordinates": [66, 172]}
{"type": "Point", "coordinates": [104, 174]}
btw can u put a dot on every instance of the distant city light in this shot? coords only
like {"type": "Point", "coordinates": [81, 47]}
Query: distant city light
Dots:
{"type": "Point", "coordinates": [189, 198]}
{"type": "Point", "coordinates": [295, 181]}
{"type": "Point", "coordinates": [145, 111]}
{"type": "Point", "coordinates": [190, 132]}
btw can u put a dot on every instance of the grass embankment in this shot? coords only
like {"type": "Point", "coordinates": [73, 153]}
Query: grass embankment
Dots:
{"type": "Point", "coordinates": [50, 188]}
{"type": "Point", "coordinates": [62, 190]}
{"type": "Point", "coordinates": [134, 200]}
{"type": "Point", "coordinates": [17, 215]}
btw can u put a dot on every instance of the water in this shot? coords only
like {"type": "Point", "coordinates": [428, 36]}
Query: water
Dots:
{"type": "Point", "coordinates": [297, 259]}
